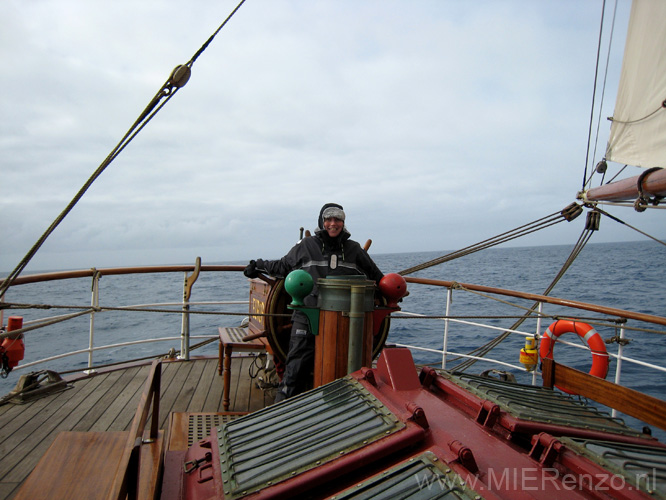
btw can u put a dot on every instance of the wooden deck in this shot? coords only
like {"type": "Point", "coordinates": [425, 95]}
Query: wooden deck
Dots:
{"type": "Point", "coordinates": [108, 402]}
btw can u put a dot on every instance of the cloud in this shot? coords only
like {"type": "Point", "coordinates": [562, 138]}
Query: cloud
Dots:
{"type": "Point", "coordinates": [436, 124]}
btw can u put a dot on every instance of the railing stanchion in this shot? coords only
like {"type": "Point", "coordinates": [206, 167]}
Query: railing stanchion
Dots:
{"type": "Point", "coordinates": [185, 324]}
{"type": "Point", "coordinates": [187, 292]}
{"type": "Point", "coordinates": [618, 365]}
{"type": "Point", "coordinates": [2, 311]}
{"type": "Point", "coordinates": [94, 305]}
{"type": "Point", "coordinates": [449, 296]}
{"type": "Point", "coordinates": [538, 333]}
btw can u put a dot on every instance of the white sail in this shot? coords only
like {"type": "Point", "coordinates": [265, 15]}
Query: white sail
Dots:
{"type": "Point", "coordinates": [638, 131]}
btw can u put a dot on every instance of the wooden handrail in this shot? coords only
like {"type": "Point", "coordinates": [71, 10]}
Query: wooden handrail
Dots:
{"type": "Point", "coordinates": [127, 480]}
{"type": "Point", "coordinates": [611, 311]}
{"type": "Point", "coordinates": [83, 273]}
{"type": "Point", "coordinates": [645, 408]}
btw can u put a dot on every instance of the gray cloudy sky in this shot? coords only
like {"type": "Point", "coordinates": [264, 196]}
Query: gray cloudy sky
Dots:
{"type": "Point", "coordinates": [436, 124]}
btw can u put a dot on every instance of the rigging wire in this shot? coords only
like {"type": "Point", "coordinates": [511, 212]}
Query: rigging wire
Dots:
{"type": "Point", "coordinates": [603, 212]}
{"type": "Point", "coordinates": [594, 93]}
{"type": "Point", "coordinates": [617, 174]}
{"type": "Point", "coordinates": [603, 90]}
{"type": "Point", "coordinates": [485, 349]}
{"type": "Point", "coordinates": [569, 213]}
{"type": "Point", "coordinates": [178, 78]}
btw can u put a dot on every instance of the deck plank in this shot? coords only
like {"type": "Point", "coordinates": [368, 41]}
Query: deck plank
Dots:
{"type": "Point", "coordinates": [188, 388]}
{"type": "Point", "coordinates": [202, 389]}
{"type": "Point", "coordinates": [107, 393]}
{"type": "Point", "coordinates": [39, 418]}
{"type": "Point", "coordinates": [39, 439]}
{"type": "Point", "coordinates": [172, 392]}
{"type": "Point", "coordinates": [213, 402]}
{"type": "Point", "coordinates": [247, 396]}
{"type": "Point", "coordinates": [134, 385]}
{"type": "Point", "coordinates": [18, 417]}
{"type": "Point", "coordinates": [107, 401]}
{"type": "Point", "coordinates": [237, 389]}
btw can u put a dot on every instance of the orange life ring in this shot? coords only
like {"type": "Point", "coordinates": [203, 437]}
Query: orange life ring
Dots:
{"type": "Point", "coordinates": [584, 331]}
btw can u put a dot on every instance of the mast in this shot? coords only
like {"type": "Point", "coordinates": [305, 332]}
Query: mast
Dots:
{"type": "Point", "coordinates": [651, 183]}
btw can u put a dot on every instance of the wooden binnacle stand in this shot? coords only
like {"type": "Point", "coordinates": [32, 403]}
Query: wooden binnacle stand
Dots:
{"type": "Point", "coordinates": [345, 321]}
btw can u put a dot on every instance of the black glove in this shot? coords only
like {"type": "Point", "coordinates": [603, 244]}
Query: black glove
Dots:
{"type": "Point", "coordinates": [251, 270]}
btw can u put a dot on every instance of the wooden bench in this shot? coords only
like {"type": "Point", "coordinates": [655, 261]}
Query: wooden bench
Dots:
{"type": "Point", "coordinates": [104, 465]}
{"type": "Point", "coordinates": [232, 338]}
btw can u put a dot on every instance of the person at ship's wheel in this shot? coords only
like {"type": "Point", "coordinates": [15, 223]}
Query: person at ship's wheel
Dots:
{"type": "Point", "coordinates": [330, 252]}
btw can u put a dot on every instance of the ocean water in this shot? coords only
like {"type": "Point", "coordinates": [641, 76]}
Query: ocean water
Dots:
{"type": "Point", "coordinates": [628, 276]}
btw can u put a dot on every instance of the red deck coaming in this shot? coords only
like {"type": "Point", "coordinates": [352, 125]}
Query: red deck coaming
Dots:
{"type": "Point", "coordinates": [513, 427]}
{"type": "Point", "coordinates": [502, 467]}
{"type": "Point", "coordinates": [505, 470]}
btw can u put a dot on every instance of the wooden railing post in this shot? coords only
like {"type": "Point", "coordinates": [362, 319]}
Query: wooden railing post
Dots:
{"type": "Point", "coordinates": [127, 481]}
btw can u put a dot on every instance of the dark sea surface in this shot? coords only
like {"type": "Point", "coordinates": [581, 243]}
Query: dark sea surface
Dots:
{"type": "Point", "coordinates": [629, 276]}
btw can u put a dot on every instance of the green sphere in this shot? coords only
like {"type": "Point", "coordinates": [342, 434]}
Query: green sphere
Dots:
{"type": "Point", "coordinates": [298, 284]}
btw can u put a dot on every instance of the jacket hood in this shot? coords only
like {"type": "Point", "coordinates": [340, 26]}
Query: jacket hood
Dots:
{"type": "Point", "coordinates": [320, 220]}
{"type": "Point", "coordinates": [333, 243]}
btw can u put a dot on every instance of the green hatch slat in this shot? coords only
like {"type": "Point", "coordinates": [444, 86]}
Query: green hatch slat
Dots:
{"type": "Point", "coordinates": [283, 440]}
{"type": "Point", "coordinates": [540, 404]}
{"type": "Point", "coordinates": [423, 477]}
{"type": "Point", "coordinates": [641, 466]}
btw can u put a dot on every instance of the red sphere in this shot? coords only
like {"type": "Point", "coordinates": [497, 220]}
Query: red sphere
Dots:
{"type": "Point", "coordinates": [393, 287]}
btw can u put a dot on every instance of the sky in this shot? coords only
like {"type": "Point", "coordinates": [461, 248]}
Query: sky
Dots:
{"type": "Point", "coordinates": [435, 124]}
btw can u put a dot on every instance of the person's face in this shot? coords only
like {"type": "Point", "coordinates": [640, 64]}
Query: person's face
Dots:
{"type": "Point", "coordinates": [333, 226]}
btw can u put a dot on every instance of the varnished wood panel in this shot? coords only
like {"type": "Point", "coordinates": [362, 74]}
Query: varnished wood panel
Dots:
{"type": "Point", "coordinates": [628, 401]}
{"type": "Point", "coordinates": [109, 400]}
{"type": "Point", "coordinates": [91, 455]}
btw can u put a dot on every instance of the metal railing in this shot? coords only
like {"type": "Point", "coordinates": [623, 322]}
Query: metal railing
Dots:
{"type": "Point", "coordinates": [617, 316]}
{"type": "Point", "coordinates": [96, 307]}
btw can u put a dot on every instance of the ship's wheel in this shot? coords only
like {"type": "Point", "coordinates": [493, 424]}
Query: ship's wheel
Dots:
{"type": "Point", "coordinates": [278, 324]}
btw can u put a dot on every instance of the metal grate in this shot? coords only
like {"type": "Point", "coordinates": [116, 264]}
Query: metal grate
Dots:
{"type": "Point", "coordinates": [199, 425]}
{"type": "Point", "coordinates": [423, 477]}
{"type": "Point", "coordinates": [540, 404]}
{"type": "Point", "coordinates": [299, 434]}
{"type": "Point", "coordinates": [235, 333]}
{"type": "Point", "coordinates": [641, 466]}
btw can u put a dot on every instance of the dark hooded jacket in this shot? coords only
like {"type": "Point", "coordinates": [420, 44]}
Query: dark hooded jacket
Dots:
{"type": "Point", "coordinates": [322, 256]}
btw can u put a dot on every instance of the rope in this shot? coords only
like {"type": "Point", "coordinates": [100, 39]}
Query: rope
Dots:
{"type": "Point", "coordinates": [594, 93]}
{"type": "Point", "coordinates": [176, 80]}
{"type": "Point", "coordinates": [485, 349]}
{"type": "Point", "coordinates": [629, 122]}
{"type": "Point", "coordinates": [569, 213]}
{"type": "Point", "coordinates": [53, 321]}
{"type": "Point", "coordinates": [642, 201]}
{"type": "Point", "coordinates": [603, 89]}
{"type": "Point", "coordinates": [592, 320]}
{"type": "Point", "coordinates": [612, 217]}
{"type": "Point", "coordinates": [88, 309]}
